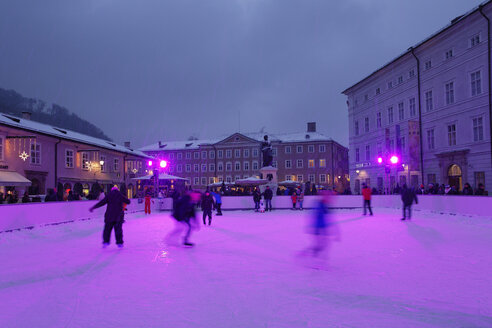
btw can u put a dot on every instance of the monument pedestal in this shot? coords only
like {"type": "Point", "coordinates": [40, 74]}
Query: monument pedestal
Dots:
{"type": "Point", "coordinates": [269, 173]}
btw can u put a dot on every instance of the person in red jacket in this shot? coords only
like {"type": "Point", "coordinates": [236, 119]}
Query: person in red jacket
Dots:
{"type": "Point", "coordinates": [148, 199]}
{"type": "Point", "coordinates": [367, 194]}
{"type": "Point", "coordinates": [294, 200]}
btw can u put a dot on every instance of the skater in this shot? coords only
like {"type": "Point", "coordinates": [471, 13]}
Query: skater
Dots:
{"type": "Point", "coordinates": [218, 202]}
{"type": "Point", "coordinates": [113, 217]}
{"type": "Point", "coordinates": [148, 199]}
{"type": "Point", "coordinates": [408, 196]}
{"type": "Point", "coordinates": [185, 215]}
{"type": "Point", "coordinates": [256, 199]}
{"type": "Point", "coordinates": [207, 205]}
{"type": "Point", "coordinates": [300, 200]}
{"type": "Point", "coordinates": [294, 200]}
{"type": "Point", "coordinates": [322, 227]}
{"type": "Point", "coordinates": [367, 195]}
{"type": "Point", "coordinates": [268, 195]}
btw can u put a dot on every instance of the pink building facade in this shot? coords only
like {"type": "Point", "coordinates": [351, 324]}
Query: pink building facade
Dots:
{"type": "Point", "coordinates": [51, 157]}
{"type": "Point", "coordinates": [308, 156]}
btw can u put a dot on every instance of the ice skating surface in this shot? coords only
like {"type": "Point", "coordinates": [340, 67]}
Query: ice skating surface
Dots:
{"type": "Point", "coordinates": [248, 270]}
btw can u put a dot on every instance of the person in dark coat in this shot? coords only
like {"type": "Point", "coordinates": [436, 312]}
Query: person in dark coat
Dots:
{"type": "Point", "coordinates": [257, 199]}
{"type": "Point", "coordinates": [114, 215]}
{"type": "Point", "coordinates": [480, 190]}
{"type": "Point", "coordinates": [26, 198]}
{"type": "Point", "coordinates": [467, 190]}
{"type": "Point", "coordinates": [185, 214]}
{"type": "Point", "coordinates": [408, 196]}
{"type": "Point", "coordinates": [268, 195]}
{"type": "Point", "coordinates": [208, 204]}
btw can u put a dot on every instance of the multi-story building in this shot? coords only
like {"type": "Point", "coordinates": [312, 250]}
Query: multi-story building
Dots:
{"type": "Point", "coordinates": [52, 157]}
{"type": "Point", "coordinates": [431, 106]}
{"type": "Point", "coordinates": [302, 157]}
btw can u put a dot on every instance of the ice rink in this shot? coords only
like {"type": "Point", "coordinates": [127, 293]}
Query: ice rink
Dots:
{"type": "Point", "coordinates": [247, 270]}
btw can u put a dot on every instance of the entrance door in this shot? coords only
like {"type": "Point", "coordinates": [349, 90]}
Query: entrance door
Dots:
{"type": "Point", "coordinates": [454, 176]}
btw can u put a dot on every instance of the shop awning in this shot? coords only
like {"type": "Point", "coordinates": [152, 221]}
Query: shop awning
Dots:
{"type": "Point", "coordinates": [13, 179]}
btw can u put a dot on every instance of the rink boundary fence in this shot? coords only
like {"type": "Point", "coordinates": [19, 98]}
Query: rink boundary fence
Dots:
{"type": "Point", "coordinates": [28, 216]}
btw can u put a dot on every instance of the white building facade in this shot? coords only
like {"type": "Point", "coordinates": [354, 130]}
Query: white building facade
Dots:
{"type": "Point", "coordinates": [430, 107]}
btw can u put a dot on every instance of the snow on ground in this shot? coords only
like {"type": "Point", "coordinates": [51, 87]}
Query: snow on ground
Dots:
{"type": "Point", "coordinates": [246, 271]}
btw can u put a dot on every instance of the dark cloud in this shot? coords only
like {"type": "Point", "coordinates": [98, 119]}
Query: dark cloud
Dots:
{"type": "Point", "coordinates": [165, 69]}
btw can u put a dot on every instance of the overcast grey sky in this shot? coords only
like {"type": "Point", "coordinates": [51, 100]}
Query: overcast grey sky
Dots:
{"type": "Point", "coordinates": [148, 70]}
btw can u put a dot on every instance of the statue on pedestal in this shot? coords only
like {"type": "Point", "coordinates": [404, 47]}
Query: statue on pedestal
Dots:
{"type": "Point", "coordinates": [266, 150]}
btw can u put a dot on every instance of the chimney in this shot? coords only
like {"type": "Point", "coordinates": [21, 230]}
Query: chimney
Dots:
{"type": "Point", "coordinates": [160, 144]}
{"type": "Point", "coordinates": [26, 115]}
{"type": "Point", "coordinates": [311, 127]}
{"type": "Point", "coordinates": [127, 144]}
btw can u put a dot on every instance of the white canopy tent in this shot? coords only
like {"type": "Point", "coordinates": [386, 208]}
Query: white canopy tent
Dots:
{"type": "Point", "coordinates": [251, 181]}
{"type": "Point", "coordinates": [13, 179]}
{"type": "Point", "coordinates": [162, 176]}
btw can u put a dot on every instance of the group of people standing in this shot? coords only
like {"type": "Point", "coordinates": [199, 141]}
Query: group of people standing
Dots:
{"type": "Point", "coordinates": [267, 196]}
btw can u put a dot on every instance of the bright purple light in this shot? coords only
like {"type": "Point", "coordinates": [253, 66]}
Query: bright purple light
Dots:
{"type": "Point", "coordinates": [149, 163]}
{"type": "Point", "coordinates": [163, 164]}
{"type": "Point", "coordinates": [380, 160]}
{"type": "Point", "coordinates": [394, 159]}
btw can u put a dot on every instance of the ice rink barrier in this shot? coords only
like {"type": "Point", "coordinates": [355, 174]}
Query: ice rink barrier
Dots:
{"type": "Point", "coordinates": [21, 216]}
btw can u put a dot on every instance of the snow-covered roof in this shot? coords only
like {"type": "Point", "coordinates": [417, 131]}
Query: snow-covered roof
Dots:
{"type": "Point", "coordinates": [258, 136]}
{"type": "Point", "coordinates": [453, 22]}
{"type": "Point", "coordinates": [28, 125]}
{"type": "Point", "coordinates": [179, 145]}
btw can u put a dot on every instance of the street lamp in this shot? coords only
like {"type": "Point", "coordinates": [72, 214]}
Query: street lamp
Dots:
{"type": "Point", "coordinates": [101, 163]}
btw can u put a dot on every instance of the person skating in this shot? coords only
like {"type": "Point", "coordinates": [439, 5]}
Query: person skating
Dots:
{"type": "Point", "coordinates": [185, 215]}
{"type": "Point", "coordinates": [148, 199]}
{"type": "Point", "coordinates": [114, 215]}
{"type": "Point", "coordinates": [256, 199]}
{"type": "Point", "coordinates": [367, 195]}
{"type": "Point", "coordinates": [268, 195]}
{"type": "Point", "coordinates": [294, 200]}
{"type": "Point", "coordinates": [207, 205]}
{"type": "Point", "coordinates": [218, 202]}
{"type": "Point", "coordinates": [408, 196]}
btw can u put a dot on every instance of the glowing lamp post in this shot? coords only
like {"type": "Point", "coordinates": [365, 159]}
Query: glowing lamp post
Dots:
{"type": "Point", "coordinates": [388, 162]}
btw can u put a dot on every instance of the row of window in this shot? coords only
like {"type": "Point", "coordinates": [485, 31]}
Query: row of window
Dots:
{"type": "Point", "coordinates": [70, 155]}
{"type": "Point", "coordinates": [245, 152]}
{"type": "Point", "coordinates": [449, 90]}
{"type": "Point", "coordinates": [478, 135]}
{"type": "Point", "coordinates": [323, 178]}
{"type": "Point", "coordinates": [220, 154]}
{"type": "Point", "coordinates": [451, 129]}
{"type": "Point", "coordinates": [448, 54]}
{"type": "Point", "coordinates": [300, 163]}
{"type": "Point", "coordinates": [229, 166]}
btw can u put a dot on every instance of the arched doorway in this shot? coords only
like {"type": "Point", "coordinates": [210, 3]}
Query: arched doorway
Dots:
{"type": "Point", "coordinates": [454, 176]}
{"type": "Point", "coordinates": [34, 188]}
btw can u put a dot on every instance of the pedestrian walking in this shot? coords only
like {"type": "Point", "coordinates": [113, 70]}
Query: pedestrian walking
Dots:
{"type": "Point", "coordinates": [207, 205]}
{"type": "Point", "coordinates": [408, 197]}
{"type": "Point", "coordinates": [367, 195]}
{"type": "Point", "coordinates": [114, 215]}
{"type": "Point", "coordinates": [268, 195]}
{"type": "Point", "coordinates": [293, 197]}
